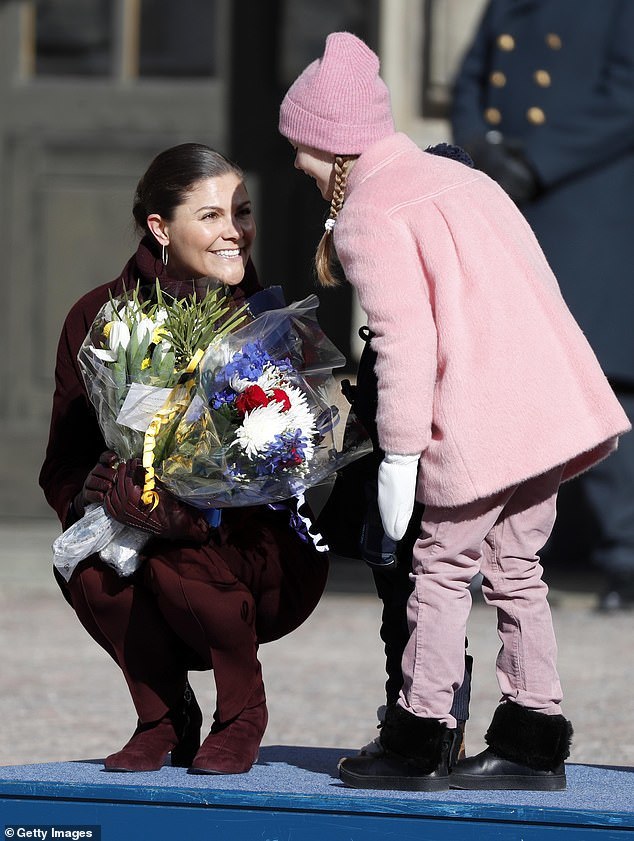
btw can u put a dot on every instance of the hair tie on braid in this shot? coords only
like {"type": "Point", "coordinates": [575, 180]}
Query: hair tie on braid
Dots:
{"type": "Point", "coordinates": [329, 224]}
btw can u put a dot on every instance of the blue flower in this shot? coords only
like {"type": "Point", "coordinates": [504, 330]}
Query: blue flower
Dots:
{"type": "Point", "coordinates": [286, 451]}
{"type": "Point", "coordinates": [248, 363]}
{"type": "Point", "coordinates": [218, 399]}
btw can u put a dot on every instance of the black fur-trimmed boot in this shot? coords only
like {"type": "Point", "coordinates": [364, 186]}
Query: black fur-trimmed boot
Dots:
{"type": "Point", "coordinates": [415, 758]}
{"type": "Point", "coordinates": [375, 748]}
{"type": "Point", "coordinates": [526, 751]}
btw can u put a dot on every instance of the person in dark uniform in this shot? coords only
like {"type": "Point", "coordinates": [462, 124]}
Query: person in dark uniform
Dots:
{"type": "Point", "coordinates": [544, 103]}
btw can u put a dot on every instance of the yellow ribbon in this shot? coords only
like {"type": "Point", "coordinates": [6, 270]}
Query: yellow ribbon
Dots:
{"type": "Point", "coordinates": [178, 400]}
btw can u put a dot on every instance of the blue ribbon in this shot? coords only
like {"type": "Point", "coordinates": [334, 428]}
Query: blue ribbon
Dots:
{"type": "Point", "coordinates": [213, 517]}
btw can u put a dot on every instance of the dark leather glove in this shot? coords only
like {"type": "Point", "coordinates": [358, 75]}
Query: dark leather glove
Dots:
{"type": "Point", "coordinates": [98, 483]}
{"type": "Point", "coordinates": [171, 518]}
{"type": "Point", "coordinates": [505, 162]}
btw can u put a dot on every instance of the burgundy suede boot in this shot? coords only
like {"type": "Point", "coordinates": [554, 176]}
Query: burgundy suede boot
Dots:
{"type": "Point", "coordinates": [232, 746]}
{"type": "Point", "coordinates": [177, 732]}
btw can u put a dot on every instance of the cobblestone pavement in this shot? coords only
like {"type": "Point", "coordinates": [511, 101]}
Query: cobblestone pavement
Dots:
{"type": "Point", "coordinates": [62, 698]}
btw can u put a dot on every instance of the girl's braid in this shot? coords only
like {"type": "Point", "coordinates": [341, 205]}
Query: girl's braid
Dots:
{"type": "Point", "coordinates": [323, 257]}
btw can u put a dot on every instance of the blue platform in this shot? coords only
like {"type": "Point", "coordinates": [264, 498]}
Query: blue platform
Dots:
{"type": "Point", "coordinates": [293, 794]}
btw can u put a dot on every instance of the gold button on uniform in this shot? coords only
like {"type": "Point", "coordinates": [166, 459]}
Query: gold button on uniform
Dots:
{"type": "Point", "coordinates": [506, 42]}
{"type": "Point", "coordinates": [497, 79]}
{"type": "Point", "coordinates": [542, 77]}
{"type": "Point", "coordinates": [536, 116]}
{"type": "Point", "coordinates": [553, 40]}
{"type": "Point", "coordinates": [493, 116]}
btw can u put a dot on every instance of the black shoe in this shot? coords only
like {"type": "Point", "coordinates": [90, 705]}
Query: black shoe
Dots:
{"type": "Point", "coordinates": [457, 751]}
{"type": "Point", "coordinates": [526, 751]}
{"type": "Point", "coordinates": [416, 755]}
{"type": "Point", "coordinates": [490, 772]}
{"type": "Point", "coordinates": [391, 773]}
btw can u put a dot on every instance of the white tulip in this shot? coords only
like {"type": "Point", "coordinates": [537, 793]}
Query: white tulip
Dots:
{"type": "Point", "coordinates": [119, 336]}
{"type": "Point", "coordinates": [143, 330]}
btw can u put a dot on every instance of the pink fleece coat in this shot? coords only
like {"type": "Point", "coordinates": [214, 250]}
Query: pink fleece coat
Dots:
{"type": "Point", "coordinates": [481, 367]}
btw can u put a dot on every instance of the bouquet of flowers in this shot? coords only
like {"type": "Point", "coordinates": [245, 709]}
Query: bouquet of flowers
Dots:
{"type": "Point", "coordinates": [227, 407]}
{"type": "Point", "coordinates": [138, 354]}
{"type": "Point", "coordinates": [263, 424]}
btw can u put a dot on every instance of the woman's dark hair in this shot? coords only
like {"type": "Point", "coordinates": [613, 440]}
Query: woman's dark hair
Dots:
{"type": "Point", "coordinates": [172, 174]}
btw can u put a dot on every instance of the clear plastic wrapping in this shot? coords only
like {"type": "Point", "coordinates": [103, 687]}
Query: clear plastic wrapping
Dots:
{"type": "Point", "coordinates": [118, 545]}
{"type": "Point", "coordinates": [263, 425]}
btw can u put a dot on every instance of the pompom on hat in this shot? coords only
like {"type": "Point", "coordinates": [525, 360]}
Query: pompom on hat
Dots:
{"type": "Point", "coordinates": [339, 104]}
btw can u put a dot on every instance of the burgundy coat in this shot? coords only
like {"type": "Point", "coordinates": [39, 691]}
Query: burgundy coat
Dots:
{"type": "Point", "coordinates": [256, 579]}
{"type": "Point", "coordinates": [254, 545]}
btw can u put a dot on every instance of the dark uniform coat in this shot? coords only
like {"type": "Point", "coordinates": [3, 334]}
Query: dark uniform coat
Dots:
{"type": "Point", "coordinates": [558, 76]}
{"type": "Point", "coordinates": [556, 79]}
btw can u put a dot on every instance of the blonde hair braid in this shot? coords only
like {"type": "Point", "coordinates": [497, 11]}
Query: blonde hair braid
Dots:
{"type": "Point", "coordinates": [323, 257]}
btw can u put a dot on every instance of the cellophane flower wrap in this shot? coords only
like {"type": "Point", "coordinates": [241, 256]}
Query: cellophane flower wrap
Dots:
{"type": "Point", "coordinates": [263, 425]}
{"type": "Point", "coordinates": [140, 353]}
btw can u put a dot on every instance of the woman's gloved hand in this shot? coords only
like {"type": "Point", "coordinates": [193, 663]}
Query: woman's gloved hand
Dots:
{"type": "Point", "coordinates": [170, 519]}
{"type": "Point", "coordinates": [98, 482]}
{"type": "Point", "coordinates": [397, 492]}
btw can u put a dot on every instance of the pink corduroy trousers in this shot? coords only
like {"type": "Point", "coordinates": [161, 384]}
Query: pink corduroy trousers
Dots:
{"type": "Point", "coordinates": [500, 537]}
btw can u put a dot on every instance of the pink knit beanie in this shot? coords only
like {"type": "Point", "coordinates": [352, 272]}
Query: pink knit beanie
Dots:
{"type": "Point", "coordinates": [338, 104]}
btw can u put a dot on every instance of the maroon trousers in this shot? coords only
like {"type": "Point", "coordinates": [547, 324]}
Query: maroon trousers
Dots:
{"type": "Point", "coordinates": [208, 607]}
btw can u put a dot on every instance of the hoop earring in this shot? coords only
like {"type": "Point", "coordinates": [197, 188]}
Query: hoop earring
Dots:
{"type": "Point", "coordinates": [164, 255]}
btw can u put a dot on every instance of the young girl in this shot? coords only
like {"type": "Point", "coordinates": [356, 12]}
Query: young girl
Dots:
{"type": "Point", "coordinates": [489, 397]}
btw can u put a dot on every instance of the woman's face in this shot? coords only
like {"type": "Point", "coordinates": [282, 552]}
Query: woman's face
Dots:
{"type": "Point", "coordinates": [318, 165]}
{"type": "Point", "coordinates": [211, 232]}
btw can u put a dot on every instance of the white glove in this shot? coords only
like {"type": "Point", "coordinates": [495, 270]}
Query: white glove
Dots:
{"type": "Point", "coordinates": [397, 492]}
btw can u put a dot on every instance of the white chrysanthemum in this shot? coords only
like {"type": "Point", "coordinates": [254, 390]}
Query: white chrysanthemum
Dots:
{"type": "Point", "coordinates": [299, 416]}
{"type": "Point", "coordinates": [260, 427]}
{"type": "Point", "coordinates": [271, 378]}
{"type": "Point", "coordinates": [238, 384]}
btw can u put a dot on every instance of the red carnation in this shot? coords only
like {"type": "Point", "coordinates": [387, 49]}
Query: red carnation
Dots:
{"type": "Point", "coordinates": [280, 396]}
{"type": "Point", "coordinates": [251, 398]}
